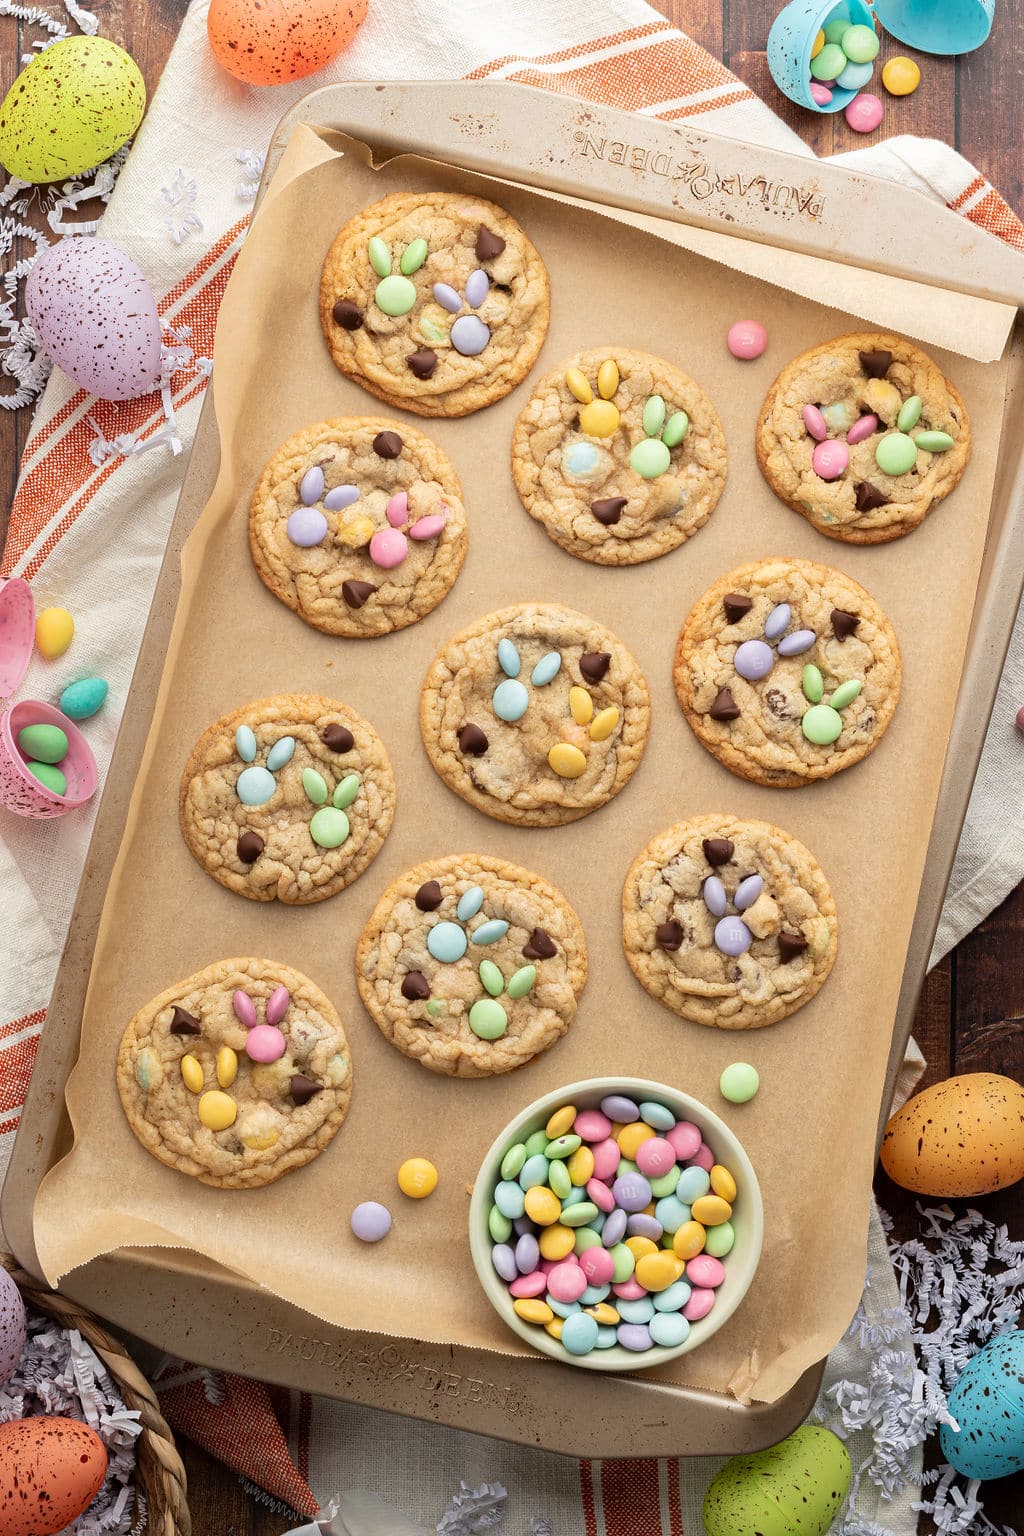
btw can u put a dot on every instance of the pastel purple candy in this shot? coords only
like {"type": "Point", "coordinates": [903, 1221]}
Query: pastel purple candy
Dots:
{"type": "Point", "coordinates": [527, 1254]}
{"type": "Point", "coordinates": [470, 335]}
{"type": "Point", "coordinates": [862, 428]}
{"type": "Point", "coordinates": [340, 497]}
{"type": "Point", "coordinates": [370, 1221]}
{"type": "Point", "coordinates": [642, 1225]}
{"type": "Point", "coordinates": [477, 285]}
{"type": "Point", "coordinates": [747, 892]}
{"type": "Point", "coordinates": [776, 622]}
{"type": "Point", "coordinates": [504, 1261]}
{"type": "Point", "coordinates": [447, 298]}
{"type": "Point", "coordinates": [312, 486]}
{"type": "Point", "coordinates": [614, 1229]}
{"type": "Point", "coordinates": [732, 936]}
{"type": "Point", "coordinates": [617, 1107]}
{"type": "Point", "coordinates": [753, 660]}
{"type": "Point", "coordinates": [522, 1226]}
{"type": "Point", "coordinates": [714, 896]}
{"type": "Point", "coordinates": [634, 1336]}
{"type": "Point", "coordinates": [795, 644]}
{"type": "Point", "coordinates": [632, 1192]}
{"type": "Point", "coordinates": [306, 527]}
{"type": "Point", "coordinates": [277, 1004]}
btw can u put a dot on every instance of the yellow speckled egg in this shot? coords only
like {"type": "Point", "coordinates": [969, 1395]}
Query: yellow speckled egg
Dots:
{"type": "Point", "coordinates": [280, 40]}
{"type": "Point", "coordinates": [958, 1139]}
{"type": "Point", "coordinates": [51, 1469]}
{"type": "Point", "coordinates": [69, 109]}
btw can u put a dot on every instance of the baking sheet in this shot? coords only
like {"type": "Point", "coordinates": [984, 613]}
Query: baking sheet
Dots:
{"type": "Point", "coordinates": [811, 1130]}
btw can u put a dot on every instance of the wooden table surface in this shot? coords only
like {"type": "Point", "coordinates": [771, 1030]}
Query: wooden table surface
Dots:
{"type": "Point", "coordinates": [970, 1015]}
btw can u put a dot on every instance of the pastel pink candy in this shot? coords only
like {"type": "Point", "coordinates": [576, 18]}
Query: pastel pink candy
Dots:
{"type": "Point", "coordinates": [703, 1158]}
{"type": "Point", "coordinates": [829, 460]}
{"type": "Point", "coordinates": [598, 1265]}
{"type": "Point", "coordinates": [547, 1265]}
{"type": "Point", "coordinates": [815, 423]}
{"type": "Point", "coordinates": [655, 1157]}
{"type": "Point", "coordinates": [684, 1139]}
{"type": "Point", "coordinates": [820, 93]}
{"type": "Point", "coordinates": [567, 1282]}
{"type": "Point", "coordinates": [862, 428]}
{"type": "Point", "coordinates": [705, 1271]}
{"type": "Point", "coordinates": [591, 1125]}
{"type": "Point", "coordinates": [533, 1284]}
{"type": "Point", "coordinates": [601, 1195]}
{"type": "Point", "coordinates": [265, 1043]}
{"type": "Point", "coordinates": [699, 1305]}
{"type": "Point", "coordinates": [397, 510]}
{"type": "Point", "coordinates": [864, 113]}
{"type": "Point", "coordinates": [629, 1290]}
{"type": "Point", "coordinates": [388, 548]}
{"type": "Point", "coordinates": [427, 527]}
{"type": "Point", "coordinates": [277, 1004]}
{"type": "Point", "coordinates": [245, 1009]}
{"type": "Point", "coordinates": [606, 1159]}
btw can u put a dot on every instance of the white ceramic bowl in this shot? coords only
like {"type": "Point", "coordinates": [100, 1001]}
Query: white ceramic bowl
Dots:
{"type": "Point", "coordinates": [747, 1220]}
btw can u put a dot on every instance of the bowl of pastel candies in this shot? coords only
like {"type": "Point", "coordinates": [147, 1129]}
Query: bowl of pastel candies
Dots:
{"type": "Point", "coordinates": [616, 1224]}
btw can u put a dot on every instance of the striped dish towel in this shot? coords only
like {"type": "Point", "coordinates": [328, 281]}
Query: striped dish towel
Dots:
{"type": "Point", "coordinates": [89, 525]}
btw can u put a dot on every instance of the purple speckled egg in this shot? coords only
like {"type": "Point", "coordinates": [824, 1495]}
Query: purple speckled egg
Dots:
{"type": "Point", "coordinates": [96, 317]}
{"type": "Point", "coordinates": [12, 1326]}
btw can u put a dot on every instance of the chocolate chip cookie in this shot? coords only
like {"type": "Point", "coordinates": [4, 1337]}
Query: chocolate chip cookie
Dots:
{"type": "Point", "coordinates": [728, 922]}
{"type": "Point", "coordinates": [357, 524]}
{"type": "Point", "coordinates": [287, 799]}
{"type": "Point", "coordinates": [237, 1075]}
{"type": "Point", "coordinates": [535, 714]}
{"type": "Point", "coordinates": [471, 965]}
{"type": "Point", "coordinates": [788, 671]}
{"type": "Point", "coordinates": [619, 455]}
{"type": "Point", "coordinates": [437, 303]}
{"type": "Point", "coordinates": [863, 436]}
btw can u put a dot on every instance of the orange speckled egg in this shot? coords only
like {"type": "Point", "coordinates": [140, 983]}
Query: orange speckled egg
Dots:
{"type": "Point", "coordinates": [958, 1139]}
{"type": "Point", "coordinates": [266, 42]}
{"type": "Point", "coordinates": [50, 1471]}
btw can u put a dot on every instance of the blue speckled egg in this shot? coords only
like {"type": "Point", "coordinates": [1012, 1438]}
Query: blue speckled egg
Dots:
{"type": "Point", "coordinates": [988, 1404]}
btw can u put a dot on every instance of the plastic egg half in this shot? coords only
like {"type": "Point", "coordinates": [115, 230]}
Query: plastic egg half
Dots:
{"type": "Point", "coordinates": [797, 1485]}
{"type": "Point", "coordinates": [281, 39]}
{"type": "Point", "coordinates": [68, 110]}
{"type": "Point", "coordinates": [988, 1404]}
{"type": "Point", "coordinates": [958, 1139]}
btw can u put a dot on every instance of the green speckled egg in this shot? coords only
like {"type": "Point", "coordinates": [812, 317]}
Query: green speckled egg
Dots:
{"type": "Point", "coordinates": [794, 1489]}
{"type": "Point", "coordinates": [70, 109]}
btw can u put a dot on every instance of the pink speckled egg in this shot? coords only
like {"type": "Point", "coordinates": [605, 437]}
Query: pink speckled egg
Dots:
{"type": "Point", "coordinates": [280, 40]}
{"type": "Point", "coordinates": [12, 1326]}
{"type": "Point", "coordinates": [96, 317]}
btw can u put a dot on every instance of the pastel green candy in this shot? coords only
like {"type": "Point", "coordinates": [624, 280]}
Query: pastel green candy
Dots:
{"type": "Point", "coordinates": [654, 415]}
{"type": "Point", "coordinates": [558, 1178]}
{"type": "Point", "coordinates": [536, 1143]}
{"type": "Point", "coordinates": [835, 28]}
{"type": "Point", "coordinates": [345, 792]}
{"type": "Point", "coordinates": [822, 725]}
{"type": "Point", "coordinates": [435, 1006]}
{"type": "Point", "coordinates": [666, 1185]}
{"type": "Point", "coordinates": [720, 1240]}
{"type": "Point", "coordinates": [510, 1199]}
{"type": "Point", "coordinates": [534, 1172]}
{"type": "Point", "coordinates": [498, 1225]}
{"type": "Point", "coordinates": [329, 827]}
{"type": "Point", "coordinates": [148, 1071]}
{"type": "Point", "coordinates": [512, 1162]}
{"type": "Point", "coordinates": [846, 693]}
{"type": "Point", "coordinates": [488, 1019]}
{"type": "Point", "coordinates": [82, 700]}
{"type": "Point", "coordinates": [380, 256]}
{"type": "Point", "coordinates": [562, 1146]}
{"type": "Point", "coordinates": [49, 776]}
{"type": "Point", "coordinates": [586, 1238]}
{"type": "Point", "coordinates": [622, 1258]}
{"type": "Point", "coordinates": [813, 683]}
{"type": "Point", "coordinates": [432, 331]}
{"type": "Point", "coordinates": [830, 62]}
{"type": "Point", "coordinates": [895, 453]}
{"type": "Point", "coordinates": [281, 753]}
{"type": "Point", "coordinates": [491, 978]}
{"type": "Point", "coordinates": [413, 257]}
{"type": "Point", "coordinates": [860, 44]}
{"type": "Point", "coordinates": [934, 442]}
{"type": "Point", "coordinates": [315, 786]}
{"type": "Point", "coordinates": [626, 1165]}
{"type": "Point", "coordinates": [45, 743]}
{"type": "Point", "coordinates": [522, 981]}
{"type": "Point", "coordinates": [739, 1082]}
{"type": "Point", "coordinates": [676, 429]}
{"type": "Point", "coordinates": [910, 413]}
{"type": "Point", "coordinates": [395, 295]}
{"type": "Point", "coordinates": [649, 458]}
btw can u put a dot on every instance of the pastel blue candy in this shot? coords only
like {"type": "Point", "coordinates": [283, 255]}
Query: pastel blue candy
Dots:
{"type": "Point", "coordinates": [795, 644]}
{"type": "Point", "coordinates": [657, 1115]}
{"type": "Point", "coordinates": [490, 933]}
{"type": "Point", "coordinates": [639, 1311]}
{"type": "Point", "coordinates": [534, 1172]}
{"type": "Point", "coordinates": [747, 892]}
{"type": "Point", "coordinates": [614, 1229]}
{"type": "Point", "coordinates": [508, 658]}
{"type": "Point", "coordinates": [510, 700]}
{"type": "Point", "coordinates": [509, 1198]}
{"type": "Point", "coordinates": [642, 1225]}
{"type": "Point", "coordinates": [562, 1308]}
{"type": "Point", "coordinates": [306, 527]}
{"type": "Point", "coordinates": [672, 1297]}
{"type": "Point", "coordinates": [280, 753]}
{"type": "Point", "coordinates": [617, 1107]}
{"type": "Point", "coordinates": [672, 1212]}
{"type": "Point", "coordinates": [606, 1338]}
{"type": "Point", "coordinates": [595, 1293]}
{"type": "Point", "coordinates": [596, 1223]}
{"type": "Point", "coordinates": [580, 460]}
{"type": "Point", "coordinates": [575, 1195]}
{"type": "Point", "coordinates": [312, 486]}
{"type": "Point", "coordinates": [693, 1182]}
{"type": "Point", "coordinates": [245, 743]}
{"type": "Point", "coordinates": [635, 1336]}
{"type": "Point", "coordinates": [447, 298]}
{"type": "Point", "coordinates": [446, 942]}
{"type": "Point", "coordinates": [776, 622]}
{"type": "Point", "coordinates": [854, 76]}
{"type": "Point", "coordinates": [579, 1334]}
{"type": "Point", "coordinates": [546, 670]}
{"type": "Point", "coordinates": [504, 1261]}
{"type": "Point", "coordinates": [714, 896]}
{"type": "Point", "coordinates": [470, 903]}
{"type": "Point", "coordinates": [477, 287]}
{"type": "Point", "coordinates": [669, 1329]}
{"type": "Point", "coordinates": [255, 786]}
{"type": "Point", "coordinates": [470, 335]}
{"type": "Point", "coordinates": [340, 497]}
{"type": "Point", "coordinates": [527, 1253]}
{"type": "Point", "coordinates": [81, 700]}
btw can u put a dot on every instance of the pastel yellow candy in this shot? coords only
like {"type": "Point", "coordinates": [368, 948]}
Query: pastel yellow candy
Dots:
{"type": "Point", "coordinates": [581, 707]}
{"type": "Point", "coordinates": [227, 1066]}
{"type": "Point", "coordinates": [192, 1074]}
{"type": "Point", "coordinates": [561, 1121]}
{"type": "Point", "coordinates": [578, 386]}
{"type": "Point", "coordinates": [417, 1178]}
{"type": "Point", "coordinates": [599, 419]}
{"type": "Point", "coordinates": [689, 1240]}
{"type": "Point", "coordinates": [566, 760]}
{"type": "Point", "coordinates": [217, 1110]}
{"type": "Point", "coordinates": [257, 1141]}
{"type": "Point", "coordinates": [604, 1314]}
{"type": "Point", "coordinates": [817, 45]}
{"type": "Point", "coordinates": [604, 723]}
{"type": "Point", "coordinates": [543, 1205]}
{"type": "Point", "coordinates": [608, 378]}
{"type": "Point", "coordinates": [581, 1166]}
{"type": "Point", "coordinates": [656, 1271]}
{"type": "Point", "coordinates": [355, 533]}
{"type": "Point", "coordinates": [557, 1242]}
{"type": "Point", "coordinates": [723, 1183]}
{"type": "Point", "coordinates": [555, 1327]}
{"type": "Point", "coordinates": [901, 76]}
{"type": "Point", "coordinates": [882, 398]}
{"type": "Point", "coordinates": [55, 630]}
{"type": "Point", "coordinates": [641, 1247]}
{"type": "Point", "coordinates": [632, 1137]}
{"type": "Point", "coordinates": [711, 1210]}
{"type": "Point", "coordinates": [532, 1310]}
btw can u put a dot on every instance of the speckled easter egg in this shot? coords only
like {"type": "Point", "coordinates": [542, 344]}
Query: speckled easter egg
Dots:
{"type": "Point", "coordinates": [958, 1139]}
{"type": "Point", "coordinates": [12, 1326]}
{"type": "Point", "coordinates": [70, 109]}
{"type": "Point", "coordinates": [50, 1471]}
{"type": "Point", "coordinates": [988, 1405]}
{"type": "Point", "coordinates": [796, 1486]}
{"type": "Point", "coordinates": [96, 317]}
{"type": "Point", "coordinates": [280, 40]}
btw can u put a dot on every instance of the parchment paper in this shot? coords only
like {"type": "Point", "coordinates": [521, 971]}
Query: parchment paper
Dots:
{"type": "Point", "coordinates": [811, 1129]}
